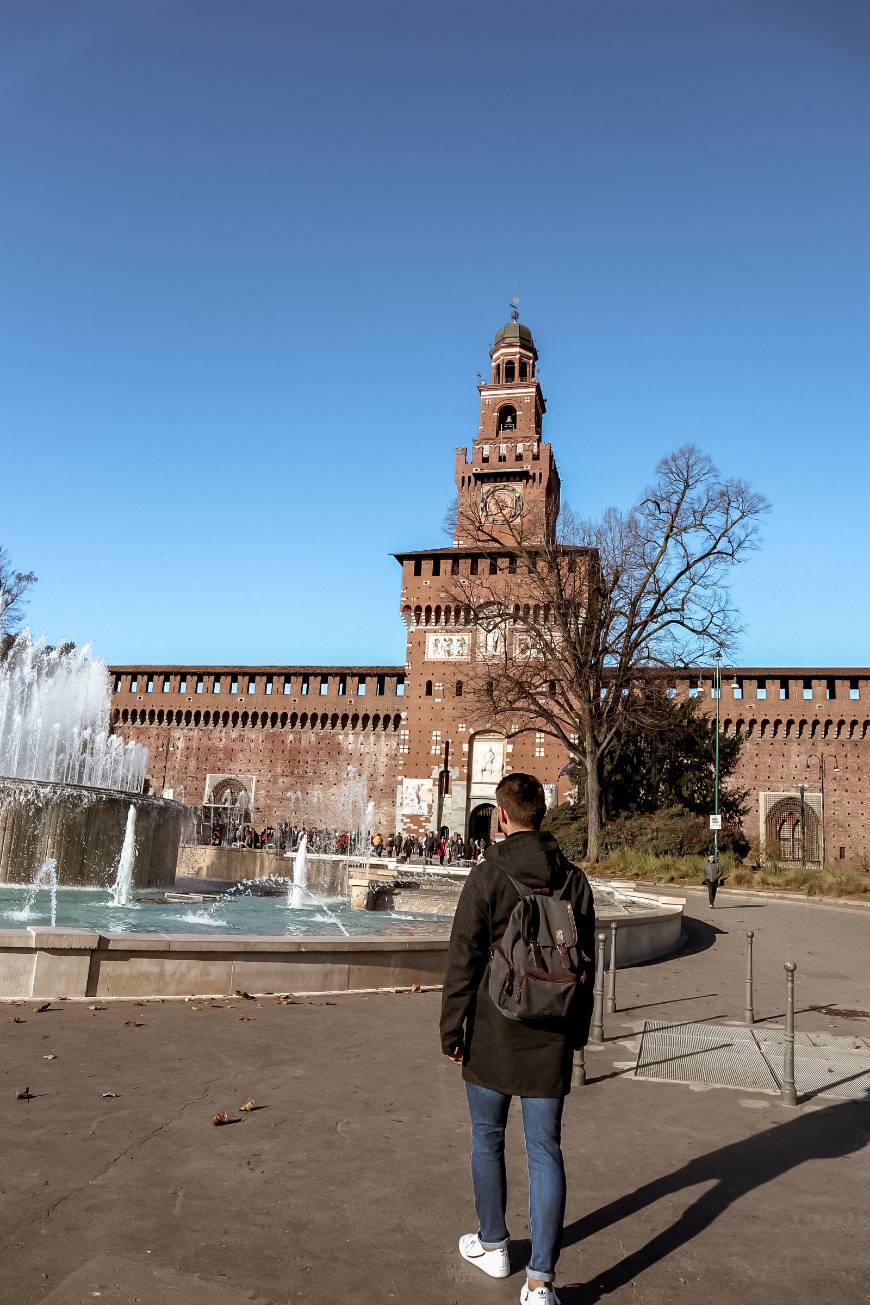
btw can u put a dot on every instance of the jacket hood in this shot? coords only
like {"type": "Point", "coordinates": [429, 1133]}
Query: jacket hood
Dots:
{"type": "Point", "coordinates": [526, 855]}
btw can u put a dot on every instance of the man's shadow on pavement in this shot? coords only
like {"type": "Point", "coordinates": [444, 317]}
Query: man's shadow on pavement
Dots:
{"type": "Point", "coordinates": [737, 1169]}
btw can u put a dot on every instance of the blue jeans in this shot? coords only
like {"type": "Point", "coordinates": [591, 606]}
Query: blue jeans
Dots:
{"type": "Point", "coordinates": [542, 1125]}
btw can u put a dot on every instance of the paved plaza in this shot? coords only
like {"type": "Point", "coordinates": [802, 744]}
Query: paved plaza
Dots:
{"type": "Point", "coordinates": [349, 1180]}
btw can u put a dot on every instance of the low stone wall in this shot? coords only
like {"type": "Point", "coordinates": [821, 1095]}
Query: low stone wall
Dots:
{"type": "Point", "coordinates": [77, 963]}
{"type": "Point", "coordinates": [327, 875]}
{"type": "Point", "coordinates": [82, 829]}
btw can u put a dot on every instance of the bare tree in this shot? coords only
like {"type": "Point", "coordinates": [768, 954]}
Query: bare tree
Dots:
{"type": "Point", "coordinates": [13, 588]}
{"type": "Point", "coordinates": [571, 628]}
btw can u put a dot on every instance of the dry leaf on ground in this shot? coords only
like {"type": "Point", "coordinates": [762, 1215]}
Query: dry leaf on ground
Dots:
{"type": "Point", "coordinates": [46, 1005]}
{"type": "Point", "coordinates": [24, 1095]}
{"type": "Point", "coordinates": [134, 1024]}
{"type": "Point", "coordinates": [110, 1096]}
{"type": "Point", "coordinates": [247, 996]}
{"type": "Point", "coordinates": [247, 1019]}
{"type": "Point", "coordinates": [415, 987]}
{"type": "Point", "coordinates": [247, 1105]}
{"type": "Point", "coordinates": [287, 999]}
{"type": "Point", "coordinates": [96, 1008]}
{"type": "Point", "coordinates": [49, 1057]}
{"type": "Point", "coordinates": [16, 1019]}
{"type": "Point", "coordinates": [222, 1118]}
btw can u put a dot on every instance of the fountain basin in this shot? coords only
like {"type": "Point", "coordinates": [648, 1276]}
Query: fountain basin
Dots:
{"type": "Point", "coordinates": [82, 829]}
{"type": "Point", "coordinates": [79, 963]}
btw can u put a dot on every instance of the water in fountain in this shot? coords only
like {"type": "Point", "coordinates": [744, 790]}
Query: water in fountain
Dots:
{"type": "Point", "coordinates": [46, 877]}
{"type": "Point", "coordinates": [54, 720]}
{"type": "Point", "coordinates": [122, 888]}
{"type": "Point", "coordinates": [300, 874]}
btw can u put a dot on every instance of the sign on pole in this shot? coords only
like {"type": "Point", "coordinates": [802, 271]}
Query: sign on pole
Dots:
{"type": "Point", "coordinates": [715, 822]}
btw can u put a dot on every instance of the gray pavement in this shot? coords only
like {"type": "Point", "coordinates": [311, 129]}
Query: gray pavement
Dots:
{"type": "Point", "coordinates": [349, 1182]}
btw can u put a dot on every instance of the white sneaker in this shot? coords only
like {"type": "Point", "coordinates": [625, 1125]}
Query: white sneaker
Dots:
{"type": "Point", "coordinates": [495, 1263]}
{"type": "Point", "coordinates": [538, 1295]}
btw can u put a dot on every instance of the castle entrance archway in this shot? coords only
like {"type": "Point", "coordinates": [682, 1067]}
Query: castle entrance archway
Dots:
{"type": "Point", "coordinates": [483, 823]}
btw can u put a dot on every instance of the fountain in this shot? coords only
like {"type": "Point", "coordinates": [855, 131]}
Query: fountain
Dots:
{"type": "Point", "coordinates": [296, 895]}
{"type": "Point", "coordinates": [66, 782]}
{"type": "Point", "coordinates": [122, 888]}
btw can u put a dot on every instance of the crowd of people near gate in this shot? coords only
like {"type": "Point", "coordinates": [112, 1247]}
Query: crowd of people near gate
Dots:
{"type": "Point", "coordinates": [444, 848]}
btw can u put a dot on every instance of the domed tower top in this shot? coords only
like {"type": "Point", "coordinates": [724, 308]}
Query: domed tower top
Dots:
{"type": "Point", "coordinates": [515, 333]}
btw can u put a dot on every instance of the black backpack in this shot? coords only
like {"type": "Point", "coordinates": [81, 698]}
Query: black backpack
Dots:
{"type": "Point", "coordinates": [535, 970]}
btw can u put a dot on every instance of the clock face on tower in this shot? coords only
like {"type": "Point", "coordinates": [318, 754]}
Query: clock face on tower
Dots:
{"type": "Point", "coordinates": [501, 504]}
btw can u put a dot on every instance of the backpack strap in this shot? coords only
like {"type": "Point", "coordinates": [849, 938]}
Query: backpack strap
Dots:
{"type": "Point", "coordinates": [569, 879]}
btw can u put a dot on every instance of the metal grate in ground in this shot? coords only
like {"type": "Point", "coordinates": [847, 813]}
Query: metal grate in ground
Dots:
{"type": "Point", "coordinates": [751, 1058]}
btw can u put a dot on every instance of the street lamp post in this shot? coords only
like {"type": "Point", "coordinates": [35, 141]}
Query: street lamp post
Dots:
{"type": "Point", "coordinates": [819, 758]}
{"type": "Point", "coordinates": [717, 691]}
{"type": "Point", "coordinates": [802, 788]}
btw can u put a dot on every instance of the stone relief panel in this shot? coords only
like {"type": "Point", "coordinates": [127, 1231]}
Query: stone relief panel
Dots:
{"type": "Point", "coordinates": [487, 762]}
{"type": "Point", "coordinates": [418, 796]}
{"type": "Point", "coordinates": [448, 647]}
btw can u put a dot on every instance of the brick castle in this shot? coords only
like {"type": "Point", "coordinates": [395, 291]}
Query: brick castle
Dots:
{"type": "Point", "coordinates": [283, 739]}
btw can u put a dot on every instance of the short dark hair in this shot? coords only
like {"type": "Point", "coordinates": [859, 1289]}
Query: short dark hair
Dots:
{"type": "Point", "coordinates": [522, 797]}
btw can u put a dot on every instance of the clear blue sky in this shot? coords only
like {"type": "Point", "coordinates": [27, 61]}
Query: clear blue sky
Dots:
{"type": "Point", "coordinates": [253, 255]}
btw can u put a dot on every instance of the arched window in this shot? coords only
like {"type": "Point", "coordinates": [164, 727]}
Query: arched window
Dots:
{"type": "Point", "coordinates": [497, 374]}
{"type": "Point", "coordinates": [524, 370]}
{"type": "Point", "coordinates": [509, 371]}
{"type": "Point", "coordinates": [428, 688]}
{"type": "Point", "coordinates": [507, 418]}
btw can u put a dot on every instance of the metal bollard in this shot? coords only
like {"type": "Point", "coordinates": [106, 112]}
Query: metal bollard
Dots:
{"type": "Point", "coordinates": [789, 1095]}
{"type": "Point", "coordinates": [611, 973]}
{"type": "Point", "coordinates": [596, 1033]}
{"type": "Point", "coordinates": [748, 1006]}
{"type": "Point", "coordinates": [578, 1069]}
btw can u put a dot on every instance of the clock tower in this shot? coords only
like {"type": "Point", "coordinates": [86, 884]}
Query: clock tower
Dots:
{"type": "Point", "coordinates": [508, 491]}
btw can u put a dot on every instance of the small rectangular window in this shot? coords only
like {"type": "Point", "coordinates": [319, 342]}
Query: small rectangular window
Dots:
{"type": "Point", "coordinates": [216, 684]}
{"type": "Point", "coordinates": [512, 566]}
{"type": "Point", "coordinates": [473, 566]}
{"type": "Point", "coordinates": [842, 853]}
{"type": "Point", "coordinates": [436, 566]}
{"type": "Point", "coordinates": [167, 684]}
{"type": "Point", "coordinates": [269, 682]}
{"type": "Point", "coordinates": [149, 684]}
{"type": "Point", "coordinates": [694, 690]}
{"type": "Point", "coordinates": [418, 566]}
{"type": "Point", "coordinates": [493, 566]}
{"type": "Point", "coordinates": [484, 453]}
{"type": "Point", "coordinates": [234, 684]}
{"type": "Point", "coordinates": [737, 688]}
{"type": "Point", "coordinates": [783, 689]}
{"type": "Point", "coordinates": [200, 684]}
{"type": "Point", "coordinates": [182, 684]}
{"type": "Point", "coordinates": [252, 685]}
{"type": "Point", "coordinates": [854, 690]}
{"type": "Point", "coordinates": [808, 690]}
{"type": "Point", "coordinates": [287, 686]}
{"type": "Point", "coordinates": [715, 693]}
{"type": "Point", "coordinates": [342, 686]}
{"type": "Point", "coordinates": [324, 685]}
{"type": "Point", "coordinates": [671, 692]}
{"type": "Point", "coordinates": [400, 688]}
{"type": "Point", "coordinates": [454, 566]}
{"type": "Point", "coordinates": [361, 687]}
{"type": "Point", "coordinates": [380, 686]}
{"type": "Point", "coordinates": [830, 689]}
{"type": "Point", "coordinates": [305, 686]}
{"type": "Point", "coordinates": [761, 691]}
{"type": "Point", "coordinates": [134, 684]}
{"type": "Point", "coordinates": [117, 687]}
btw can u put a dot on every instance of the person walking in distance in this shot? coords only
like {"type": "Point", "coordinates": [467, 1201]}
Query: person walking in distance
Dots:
{"type": "Point", "coordinates": [711, 878]}
{"type": "Point", "coordinates": [516, 1003]}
